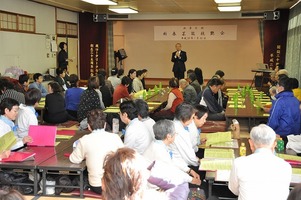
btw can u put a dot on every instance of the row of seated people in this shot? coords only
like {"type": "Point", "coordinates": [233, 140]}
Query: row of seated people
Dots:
{"type": "Point", "coordinates": [169, 148]}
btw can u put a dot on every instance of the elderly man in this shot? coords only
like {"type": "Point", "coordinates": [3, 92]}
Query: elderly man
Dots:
{"type": "Point", "coordinates": [159, 149]}
{"type": "Point", "coordinates": [189, 93]}
{"type": "Point", "coordinates": [261, 175]}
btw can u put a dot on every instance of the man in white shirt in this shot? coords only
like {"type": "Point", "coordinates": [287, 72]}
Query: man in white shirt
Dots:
{"type": "Point", "coordinates": [136, 134]}
{"type": "Point", "coordinates": [261, 175]}
{"type": "Point", "coordinates": [137, 84]}
{"type": "Point", "coordinates": [27, 113]}
{"type": "Point", "coordinates": [159, 150]}
{"type": "Point", "coordinates": [143, 116]}
{"type": "Point", "coordinates": [113, 78]}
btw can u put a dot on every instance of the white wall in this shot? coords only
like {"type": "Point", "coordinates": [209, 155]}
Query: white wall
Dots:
{"type": "Point", "coordinates": [29, 51]}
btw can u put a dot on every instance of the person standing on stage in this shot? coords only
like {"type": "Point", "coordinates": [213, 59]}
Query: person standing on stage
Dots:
{"type": "Point", "coordinates": [179, 58]}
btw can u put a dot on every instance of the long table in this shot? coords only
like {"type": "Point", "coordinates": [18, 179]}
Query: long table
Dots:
{"type": "Point", "coordinates": [249, 112]}
{"type": "Point", "coordinates": [47, 158]}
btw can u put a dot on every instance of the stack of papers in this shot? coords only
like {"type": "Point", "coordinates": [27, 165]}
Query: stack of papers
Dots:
{"type": "Point", "coordinates": [232, 144]}
{"type": "Point", "coordinates": [7, 141]}
{"type": "Point", "coordinates": [218, 137]}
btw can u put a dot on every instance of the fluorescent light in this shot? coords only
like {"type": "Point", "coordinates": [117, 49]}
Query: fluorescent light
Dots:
{"type": "Point", "coordinates": [227, 1]}
{"type": "Point", "coordinates": [124, 10]}
{"type": "Point", "coordinates": [229, 8]}
{"type": "Point", "coordinates": [101, 2]}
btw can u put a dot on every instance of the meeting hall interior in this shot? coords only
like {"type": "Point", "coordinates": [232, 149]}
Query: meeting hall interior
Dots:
{"type": "Point", "coordinates": [150, 99]}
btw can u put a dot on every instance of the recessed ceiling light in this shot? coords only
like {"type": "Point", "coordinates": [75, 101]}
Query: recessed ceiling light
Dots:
{"type": "Point", "coordinates": [227, 1]}
{"type": "Point", "coordinates": [229, 8]}
{"type": "Point", "coordinates": [101, 2]}
{"type": "Point", "coordinates": [123, 10]}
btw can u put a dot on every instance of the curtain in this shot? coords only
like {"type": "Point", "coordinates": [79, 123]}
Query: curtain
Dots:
{"type": "Point", "coordinates": [111, 61]}
{"type": "Point", "coordinates": [293, 50]}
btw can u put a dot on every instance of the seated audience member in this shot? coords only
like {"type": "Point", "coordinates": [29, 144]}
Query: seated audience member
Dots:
{"type": "Point", "coordinates": [27, 113]}
{"type": "Point", "coordinates": [285, 113]}
{"type": "Point", "coordinates": [144, 74]}
{"type": "Point", "coordinates": [121, 90]}
{"type": "Point", "coordinates": [11, 195]}
{"type": "Point", "coordinates": [199, 118]}
{"type": "Point", "coordinates": [143, 116]}
{"type": "Point", "coordinates": [132, 76]}
{"type": "Point", "coordinates": [23, 83]}
{"type": "Point", "coordinates": [295, 88]}
{"type": "Point", "coordinates": [9, 111]}
{"type": "Point", "coordinates": [159, 150]}
{"type": "Point", "coordinates": [107, 96]}
{"type": "Point", "coordinates": [182, 147]}
{"type": "Point", "coordinates": [126, 177]}
{"type": "Point", "coordinates": [220, 74]}
{"type": "Point", "coordinates": [107, 82]}
{"type": "Point", "coordinates": [221, 97]}
{"type": "Point", "coordinates": [216, 111]}
{"type": "Point", "coordinates": [72, 96]}
{"type": "Point", "coordinates": [136, 134]}
{"type": "Point", "coordinates": [113, 78]}
{"type": "Point", "coordinates": [120, 73]}
{"type": "Point", "coordinates": [189, 93]}
{"type": "Point", "coordinates": [94, 147]}
{"type": "Point", "coordinates": [89, 99]}
{"type": "Point", "coordinates": [38, 79]}
{"type": "Point", "coordinates": [7, 91]}
{"type": "Point", "coordinates": [281, 73]}
{"type": "Point", "coordinates": [175, 97]}
{"type": "Point", "coordinates": [273, 92]}
{"type": "Point", "coordinates": [137, 84]}
{"type": "Point", "coordinates": [261, 175]}
{"type": "Point", "coordinates": [199, 76]}
{"type": "Point", "coordinates": [195, 83]}
{"type": "Point", "coordinates": [272, 82]}
{"type": "Point", "coordinates": [295, 194]}
{"type": "Point", "coordinates": [55, 110]}
{"type": "Point", "coordinates": [60, 78]}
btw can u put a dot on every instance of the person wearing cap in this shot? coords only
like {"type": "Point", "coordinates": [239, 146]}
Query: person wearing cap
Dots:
{"type": "Point", "coordinates": [113, 78]}
{"type": "Point", "coordinates": [62, 57]}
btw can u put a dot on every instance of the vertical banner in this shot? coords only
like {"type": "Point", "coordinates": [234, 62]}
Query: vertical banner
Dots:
{"type": "Point", "coordinates": [210, 32]}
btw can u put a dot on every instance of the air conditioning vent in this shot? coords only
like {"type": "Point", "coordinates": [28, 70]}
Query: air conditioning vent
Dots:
{"type": "Point", "coordinates": [252, 14]}
{"type": "Point", "coordinates": [117, 17]}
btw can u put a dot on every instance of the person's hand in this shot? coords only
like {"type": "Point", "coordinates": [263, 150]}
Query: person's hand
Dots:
{"type": "Point", "coordinates": [26, 139]}
{"type": "Point", "coordinates": [5, 154]}
{"type": "Point", "coordinates": [269, 83]}
{"type": "Point", "coordinates": [196, 181]}
{"type": "Point", "coordinates": [178, 54]}
{"type": "Point", "coordinates": [194, 174]}
{"type": "Point", "coordinates": [203, 140]}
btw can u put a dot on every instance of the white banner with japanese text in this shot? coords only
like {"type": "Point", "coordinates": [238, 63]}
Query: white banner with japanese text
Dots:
{"type": "Point", "coordinates": [206, 32]}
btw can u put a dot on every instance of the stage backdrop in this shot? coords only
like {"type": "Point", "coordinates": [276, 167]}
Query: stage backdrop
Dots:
{"type": "Point", "coordinates": [236, 55]}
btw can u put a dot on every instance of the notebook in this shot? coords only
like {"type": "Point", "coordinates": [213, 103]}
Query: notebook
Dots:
{"type": "Point", "coordinates": [42, 135]}
{"type": "Point", "coordinates": [19, 157]}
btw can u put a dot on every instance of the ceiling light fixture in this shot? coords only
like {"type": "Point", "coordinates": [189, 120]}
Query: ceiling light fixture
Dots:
{"type": "Point", "coordinates": [227, 1]}
{"type": "Point", "coordinates": [229, 8]}
{"type": "Point", "coordinates": [101, 2]}
{"type": "Point", "coordinates": [123, 10]}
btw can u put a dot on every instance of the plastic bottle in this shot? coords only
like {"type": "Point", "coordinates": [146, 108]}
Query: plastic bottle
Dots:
{"type": "Point", "coordinates": [242, 149]}
{"type": "Point", "coordinates": [235, 129]}
{"type": "Point", "coordinates": [280, 144]}
{"type": "Point", "coordinates": [115, 125]}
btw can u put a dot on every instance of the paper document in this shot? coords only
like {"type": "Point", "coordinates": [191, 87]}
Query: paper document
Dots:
{"type": "Point", "coordinates": [213, 164]}
{"type": "Point", "coordinates": [222, 175]}
{"type": "Point", "coordinates": [218, 137]}
{"type": "Point", "coordinates": [219, 153]}
{"type": "Point", "coordinates": [7, 141]}
{"type": "Point", "coordinates": [289, 157]}
{"type": "Point", "coordinates": [111, 110]}
{"type": "Point", "coordinates": [238, 106]}
{"type": "Point", "coordinates": [232, 144]}
{"type": "Point", "coordinates": [154, 103]}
